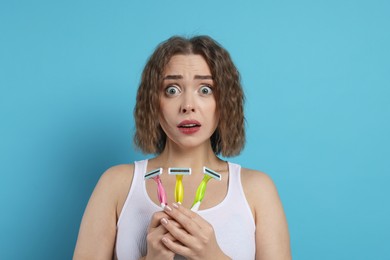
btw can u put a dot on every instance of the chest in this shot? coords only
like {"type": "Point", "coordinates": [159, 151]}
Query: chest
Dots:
{"type": "Point", "coordinates": [214, 193]}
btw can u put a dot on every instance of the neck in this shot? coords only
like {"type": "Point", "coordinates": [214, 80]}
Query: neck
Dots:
{"type": "Point", "coordinates": [194, 158]}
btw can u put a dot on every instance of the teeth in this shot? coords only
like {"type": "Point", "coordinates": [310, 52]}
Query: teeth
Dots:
{"type": "Point", "coordinates": [189, 125]}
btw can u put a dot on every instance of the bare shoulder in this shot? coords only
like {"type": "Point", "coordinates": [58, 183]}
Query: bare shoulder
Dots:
{"type": "Point", "coordinates": [118, 180]}
{"type": "Point", "coordinates": [257, 182]}
{"type": "Point", "coordinates": [98, 226]}
{"type": "Point", "coordinates": [259, 189]}
{"type": "Point", "coordinates": [272, 238]}
{"type": "Point", "coordinates": [112, 187]}
{"type": "Point", "coordinates": [118, 174]}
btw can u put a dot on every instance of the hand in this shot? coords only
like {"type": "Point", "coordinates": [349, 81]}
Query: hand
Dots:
{"type": "Point", "coordinates": [194, 237]}
{"type": "Point", "coordinates": [155, 248]}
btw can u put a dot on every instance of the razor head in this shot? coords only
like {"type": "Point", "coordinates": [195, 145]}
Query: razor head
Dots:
{"type": "Point", "coordinates": [153, 173]}
{"type": "Point", "coordinates": [211, 173]}
{"type": "Point", "coordinates": [179, 171]}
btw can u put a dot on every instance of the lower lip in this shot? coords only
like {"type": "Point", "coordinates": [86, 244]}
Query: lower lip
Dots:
{"type": "Point", "coordinates": [190, 130]}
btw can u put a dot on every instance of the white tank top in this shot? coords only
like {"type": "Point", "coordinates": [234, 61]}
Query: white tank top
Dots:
{"type": "Point", "coordinates": [231, 219]}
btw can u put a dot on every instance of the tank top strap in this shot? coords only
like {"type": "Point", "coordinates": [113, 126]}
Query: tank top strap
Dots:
{"type": "Point", "coordinates": [139, 172]}
{"type": "Point", "coordinates": [235, 188]}
{"type": "Point", "coordinates": [137, 190]}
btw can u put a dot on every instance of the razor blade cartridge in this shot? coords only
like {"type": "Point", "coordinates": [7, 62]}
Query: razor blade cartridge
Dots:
{"type": "Point", "coordinates": [212, 173]}
{"type": "Point", "coordinates": [179, 171]}
{"type": "Point", "coordinates": [153, 173]}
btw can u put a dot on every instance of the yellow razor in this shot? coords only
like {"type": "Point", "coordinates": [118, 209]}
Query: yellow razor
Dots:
{"type": "Point", "coordinates": [179, 189]}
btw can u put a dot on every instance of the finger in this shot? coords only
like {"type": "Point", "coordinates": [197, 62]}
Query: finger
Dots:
{"type": "Point", "coordinates": [161, 230]}
{"type": "Point", "coordinates": [175, 246]}
{"type": "Point", "coordinates": [187, 221]}
{"type": "Point", "coordinates": [155, 235]}
{"type": "Point", "coordinates": [155, 219]}
{"type": "Point", "coordinates": [172, 238]}
{"type": "Point", "coordinates": [189, 213]}
{"type": "Point", "coordinates": [178, 233]}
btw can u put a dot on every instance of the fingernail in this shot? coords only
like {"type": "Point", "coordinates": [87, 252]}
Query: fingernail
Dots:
{"type": "Point", "coordinates": [164, 221]}
{"type": "Point", "coordinates": [165, 240]}
{"type": "Point", "coordinates": [175, 205]}
{"type": "Point", "coordinates": [167, 208]}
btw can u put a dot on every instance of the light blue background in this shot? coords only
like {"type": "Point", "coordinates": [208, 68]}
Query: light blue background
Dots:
{"type": "Point", "coordinates": [316, 76]}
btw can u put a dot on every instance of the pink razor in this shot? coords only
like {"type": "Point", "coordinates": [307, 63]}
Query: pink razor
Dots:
{"type": "Point", "coordinates": [155, 175]}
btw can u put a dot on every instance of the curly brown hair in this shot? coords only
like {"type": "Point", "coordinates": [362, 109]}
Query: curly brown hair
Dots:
{"type": "Point", "coordinates": [229, 137]}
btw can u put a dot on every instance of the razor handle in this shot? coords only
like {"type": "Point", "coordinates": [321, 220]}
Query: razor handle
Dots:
{"type": "Point", "coordinates": [201, 190]}
{"type": "Point", "coordinates": [179, 189]}
{"type": "Point", "coordinates": [162, 197]}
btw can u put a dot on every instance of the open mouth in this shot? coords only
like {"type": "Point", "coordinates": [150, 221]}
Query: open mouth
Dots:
{"type": "Point", "coordinates": [189, 126]}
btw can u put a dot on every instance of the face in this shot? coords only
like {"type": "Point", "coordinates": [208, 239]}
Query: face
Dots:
{"type": "Point", "coordinates": [188, 109]}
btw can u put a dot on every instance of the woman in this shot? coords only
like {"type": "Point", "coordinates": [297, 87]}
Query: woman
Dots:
{"type": "Point", "coordinates": [189, 110]}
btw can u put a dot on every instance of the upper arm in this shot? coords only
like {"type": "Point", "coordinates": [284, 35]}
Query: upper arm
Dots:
{"type": "Point", "coordinates": [97, 233]}
{"type": "Point", "coordinates": [272, 238]}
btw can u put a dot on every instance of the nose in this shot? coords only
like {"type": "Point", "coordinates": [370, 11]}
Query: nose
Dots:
{"type": "Point", "coordinates": [187, 105]}
{"type": "Point", "coordinates": [187, 109]}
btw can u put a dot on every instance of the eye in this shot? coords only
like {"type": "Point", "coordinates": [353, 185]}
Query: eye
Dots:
{"type": "Point", "coordinates": [172, 91]}
{"type": "Point", "coordinates": [206, 90]}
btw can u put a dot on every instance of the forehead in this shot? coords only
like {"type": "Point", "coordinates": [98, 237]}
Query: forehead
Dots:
{"type": "Point", "coordinates": [183, 64]}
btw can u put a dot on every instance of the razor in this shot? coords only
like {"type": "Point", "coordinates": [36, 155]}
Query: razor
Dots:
{"type": "Point", "coordinates": [179, 189]}
{"type": "Point", "coordinates": [208, 175]}
{"type": "Point", "coordinates": [155, 175]}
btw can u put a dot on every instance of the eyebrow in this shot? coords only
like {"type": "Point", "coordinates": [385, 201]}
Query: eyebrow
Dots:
{"type": "Point", "coordinates": [168, 77]}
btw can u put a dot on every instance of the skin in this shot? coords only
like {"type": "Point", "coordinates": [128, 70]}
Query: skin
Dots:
{"type": "Point", "coordinates": [184, 95]}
